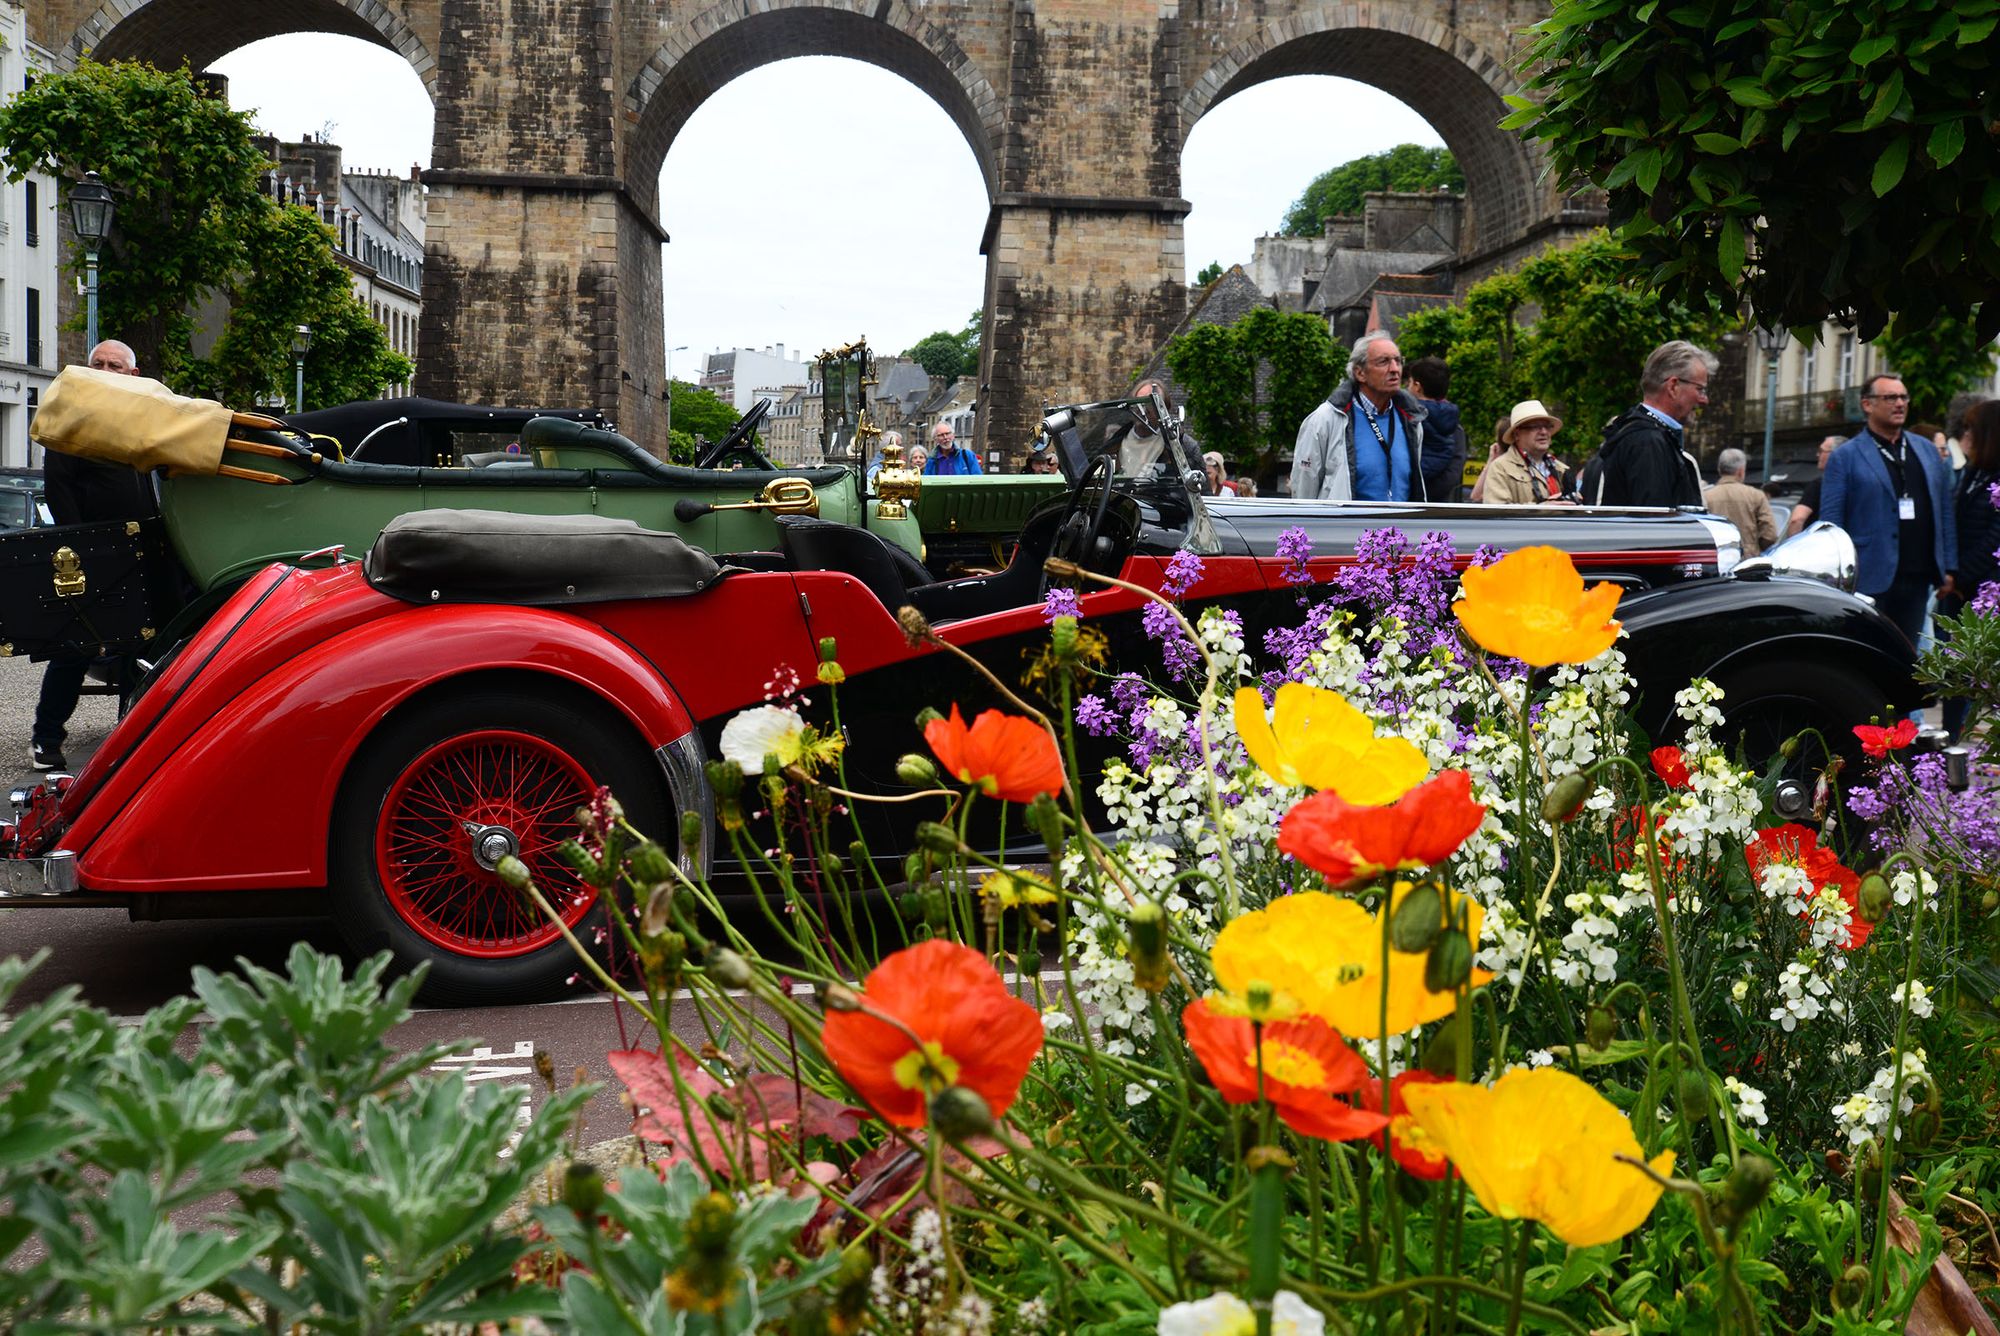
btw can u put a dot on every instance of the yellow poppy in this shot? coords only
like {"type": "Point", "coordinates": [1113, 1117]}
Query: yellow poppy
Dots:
{"type": "Point", "coordinates": [1531, 605]}
{"type": "Point", "coordinates": [1318, 740]}
{"type": "Point", "coordinates": [1538, 1145]}
{"type": "Point", "coordinates": [1324, 953]}
{"type": "Point", "coordinates": [1014, 888]}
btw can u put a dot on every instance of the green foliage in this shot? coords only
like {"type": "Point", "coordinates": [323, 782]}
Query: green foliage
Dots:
{"type": "Point", "coordinates": [1209, 273]}
{"type": "Point", "coordinates": [1818, 160]}
{"type": "Point", "coordinates": [184, 175]}
{"type": "Point", "coordinates": [1593, 317]}
{"type": "Point", "coordinates": [1249, 385]}
{"type": "Point", "coordinates": [700, 413]}
{"type": "Point", "coordinates": [949, 353]}
{"type": "Point", "coordinates": [1937, 358]}
{"type": "Point", "coordinates": [192, 222]}
{"type": "Point", "coordinates": [1339, 190]}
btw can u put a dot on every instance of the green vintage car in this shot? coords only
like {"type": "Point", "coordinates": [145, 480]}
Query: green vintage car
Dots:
{"type": "Point", "coordinates": [274, 494]}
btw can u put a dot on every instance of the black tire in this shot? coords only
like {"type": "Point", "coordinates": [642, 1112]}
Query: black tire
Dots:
{"type": "Point", "coordinates": [1765, 703]}
{"type": "Point", "coordinates": [405, 874]}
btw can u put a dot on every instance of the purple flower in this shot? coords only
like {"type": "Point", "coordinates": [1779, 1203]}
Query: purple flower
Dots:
{"type": "Point", "coordinates": [1096, 718]}
{"type": "Point", "coordinates": [1130, 693]}
{"type": "Point", "coordinates": [1987, 601]}
{"type": "Point", "coordinates": [1183, 573]}
{"type": "Point", "coordinates": [1296, 547]}
{"type": "Point", "coordinates": [1060, 602]}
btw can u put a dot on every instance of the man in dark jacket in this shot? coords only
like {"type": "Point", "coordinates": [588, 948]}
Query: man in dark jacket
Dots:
{"type": "Point", "coordinates": [81, 491]}
{"type": "Point", "coordinates": [1643, 461]}
{"type": "Point", "coordinates": [1444, 434]}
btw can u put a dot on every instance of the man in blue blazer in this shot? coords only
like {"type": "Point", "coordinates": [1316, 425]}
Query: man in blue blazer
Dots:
{"type": "Point", "coordinates": [1892, 494]}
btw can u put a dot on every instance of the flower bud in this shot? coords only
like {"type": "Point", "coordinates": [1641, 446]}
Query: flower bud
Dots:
{"type": "Point", "coordinates": [1418, 919]}
{"type": "Point", "coordinates": [937, 838]}
{"type": "Point", "coordinates": [916, 630]}
{"type": "Point", "coordinates": [1062, 637]}
{"type": "Point", "coordinates": [1441, 1052]}
{"type": "Point", "coordinates": [655, 918]}
{"type": "Point", "coordinates": [1566, 797]}
{"type": "Point", "coordinates": [690, 829]}
{"type": "Point", "coordinates": [1063, 570]}
{"type": "Point", "coordinates": [1694, 1096]}
{"type": "Point", "coordinates": [1449, 963]}
{"type": "Point", "coordinates": [1789, 747]}
{"type": "Point", "coordinates": [1990, 901]}
{"type": "Point", "coordinates": [837, 996]}
{"type": "Point", "coordinates": [960, 1114]}
{"type": "Point", "coordinates": [1146, 927]}
{"type": "Point", "coordinates": [728, 968]}
{"type": "Point", "coordinates": [910, 904]}
{"type": "Point", "coordinates": [648, 864]}
{"type": "Point", "coordinates": [1744, 1191]}
{"type": "Point", "coordinates": [514, 874]}
{"type": "Point", "coordinates": [545, 1068]}
{"type": "Point", "coordinates": [583, 1191]}
{"type": "Point", "coordinates": [1045, 819]}
{"type": "Point", "coordinates": [588, 867]}
{"type": "Point", "coordinates": [1868, 1173]}
{"type": "Point", "coordinates": [829, 649]}
{"type": "Point", "coordinates": [1600, 1027]}
{"type": "Point", "coordinates": [919, 772]}
{"type": "Point", "coordinates": [1874, 898]}
{"type": "Point", "coordinates": [724, 777]}
{"type": "Point", "coordinates": [1851, 1290]}
{"type": "Point", "coordinates": [926, 717]}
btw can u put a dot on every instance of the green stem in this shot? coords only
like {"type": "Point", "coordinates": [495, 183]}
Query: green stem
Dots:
{"type": "Point", "coordinates": [1879, 1265]}
{"type": "Point", "coordinates": [1520, 1276]}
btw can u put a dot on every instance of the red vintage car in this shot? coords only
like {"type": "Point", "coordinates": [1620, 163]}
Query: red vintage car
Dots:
{"type": "Point", "coordinates": [373, 738]}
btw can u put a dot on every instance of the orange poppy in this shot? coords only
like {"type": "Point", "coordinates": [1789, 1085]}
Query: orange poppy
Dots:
{"type": "Point", "coordinates": [1352, 845]}
{"type": "Point", "coordinates": [1306, 1067]}
{"type": "Point", "coordinates": [970, 1031]}
{"type": "Point", "coordinates": [1671, 767]}
{"type": "Point", "coordinates": [1798, 846]}
{"type": "Point", "coordinates": [1409, 1145]}
{"type": "Point", "coordinates": [1007, 756]}
{"type": "Point", "coordinates": [1531, 605]}
{"type": "Point", "coordinates": [1879, 742]}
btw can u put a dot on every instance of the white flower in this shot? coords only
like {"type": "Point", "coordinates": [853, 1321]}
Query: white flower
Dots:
{"type": "Point", "coordinates": [1748, 1101]}
{"type": "Point", "coordinates": [1920, 999]}
{"type": "Point", "coordinates": [1226, 1315]}
{"type": "Point", "coordinates": [1740, 989]}
{"type": "Point", "coordinates": [768, 730]}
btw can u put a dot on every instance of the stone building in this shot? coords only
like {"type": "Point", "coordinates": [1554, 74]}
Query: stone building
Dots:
{"type": "Point", "coordinates": [736, 375]}
{"type": "Point", "coordinates": [784, 429]}
{"type": "Point", "coordinates": [32, 236]}
{"type": "Point", "coordinates": [380, 230]}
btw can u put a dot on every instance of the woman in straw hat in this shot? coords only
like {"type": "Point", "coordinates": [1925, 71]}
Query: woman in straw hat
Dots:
{"type": "Point", "coordinates": [1525, 474]}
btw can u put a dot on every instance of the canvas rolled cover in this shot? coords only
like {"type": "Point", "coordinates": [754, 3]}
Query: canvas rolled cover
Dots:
{"type": "Point", "coordinates": [130, 420]}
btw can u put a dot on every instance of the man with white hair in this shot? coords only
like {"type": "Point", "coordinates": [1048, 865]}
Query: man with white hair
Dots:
{"type": "Point", "coordinates": [80, 491]}
{"type": "Point", "coordinates": [1365, 442]}
{"type": "Point", "coordinates": [1643, 460]}
{"type": "Point", "coordinates": [1741, 504]}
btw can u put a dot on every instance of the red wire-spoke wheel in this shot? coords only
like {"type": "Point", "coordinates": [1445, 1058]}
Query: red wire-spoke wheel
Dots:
{"type": "Point", "coordinates": [446, 788]}
{"type": "Point", "coordinates": [463, 805]}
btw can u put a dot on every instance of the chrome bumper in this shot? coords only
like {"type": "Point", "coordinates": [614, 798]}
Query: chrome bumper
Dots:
{"type": "Point", "coordinates": [27, 878]}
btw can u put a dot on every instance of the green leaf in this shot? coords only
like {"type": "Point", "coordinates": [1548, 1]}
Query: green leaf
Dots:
{"type": "Point", "coordinates": [1729, 250]}
{"type": "Point", "coordinates": [1647, 173]}
{"type": "Point", "coordinates": [1887, 100]}
{"type": "Point", "coordinates": [1871, 49]}
{"type": "Point", "coordinates": [1889, 167]}
{"type": "Point", "coordinates": [1713, 142]}
{"type": "Point", "coordinates": [1946, 143]}
{"type": "Point", "coordinates": [1748, 92]}
{"type": "Point", "coordinates": [1976, 30]}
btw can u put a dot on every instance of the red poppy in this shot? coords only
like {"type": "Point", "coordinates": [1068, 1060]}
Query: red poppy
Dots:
{"type": "Point", "coordinates": [1671, 767]}
{"type": "Point", "coordinates": [1306, 1066]}
{"type": "Point", "coordinates": [1880, 742]}
{"type": "Point", "coordinates": [970, 1031]}
{"type": "Point", "coordinates": [1793, 845]}
{"type": "Point", "coordinates": [1409, 1145]}
{"type": "Point", "coordinates": [1006, 755]}
{"type": "Point", "coordinates": [1625, 851]}
{"type": "Point", "coordinates": [1353, 844]}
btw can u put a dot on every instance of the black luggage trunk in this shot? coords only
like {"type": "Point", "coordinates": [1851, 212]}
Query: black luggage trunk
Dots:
{"type": "Point", "coordinates": [97, 589]}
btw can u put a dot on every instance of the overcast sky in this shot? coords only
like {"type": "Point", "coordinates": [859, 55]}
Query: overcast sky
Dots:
{"type": "Point", "coordinates": [787, 229]}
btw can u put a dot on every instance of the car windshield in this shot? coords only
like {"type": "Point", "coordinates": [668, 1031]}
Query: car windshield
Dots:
{"type": "Point", "coordinates": [1144, 443]}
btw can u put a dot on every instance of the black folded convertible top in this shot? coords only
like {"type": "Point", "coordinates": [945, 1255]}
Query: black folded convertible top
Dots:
{"type": "Point", "coordinates": [491, 556]}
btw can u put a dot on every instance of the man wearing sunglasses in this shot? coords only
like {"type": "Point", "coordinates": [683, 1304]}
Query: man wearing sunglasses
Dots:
{"type": "Point", "coordinates": [1892, 494]}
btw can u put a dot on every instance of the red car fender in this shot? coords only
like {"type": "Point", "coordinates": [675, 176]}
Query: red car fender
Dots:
{"type": "Point", "coordinates": [245, 801]}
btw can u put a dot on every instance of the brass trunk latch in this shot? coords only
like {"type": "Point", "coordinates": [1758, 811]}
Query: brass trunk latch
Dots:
{"type": "Point", "coordinates": [69, 573]}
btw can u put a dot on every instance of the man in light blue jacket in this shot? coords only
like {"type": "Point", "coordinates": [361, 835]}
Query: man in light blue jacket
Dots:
{"type": "Point", "coordinates": [1366, 441]}
{"type": "Point", "coordinates": [1892, 494]}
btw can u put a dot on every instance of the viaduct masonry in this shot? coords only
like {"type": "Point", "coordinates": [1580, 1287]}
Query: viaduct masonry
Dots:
{"type": "Point", "coordinates": [542, 278]}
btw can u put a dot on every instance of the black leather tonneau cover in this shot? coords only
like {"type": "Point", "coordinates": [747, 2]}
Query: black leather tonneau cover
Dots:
{"type": "Point", "coordinates": [491, 556]}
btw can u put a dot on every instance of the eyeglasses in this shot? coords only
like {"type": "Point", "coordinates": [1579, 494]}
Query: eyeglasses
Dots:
{"type": "Point", "coordinates": [1385, 361]}
{"type": "Point", "coordinates": [1889, 398]}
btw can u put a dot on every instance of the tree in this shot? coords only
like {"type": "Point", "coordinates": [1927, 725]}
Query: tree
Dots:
{"type": "Point", "coordinates": [702, 413]}
{"type": "Point", "coordinates": [191, 222]}
{"type": "Point", "coordinates": [1249, 385]}
{"type": "Point", "coordinates": [949, 353]}
{"type": "Point", "coordinates": [1937, 359]}
{"type": "Point", "coordinates": [1820, 160]}
{"type": "Point", "coordinates": [1209, 273]}
{"type": "Point", "coordinates": [1591, 317]}
{"type": "Point", "coordinates": [1340, 189]}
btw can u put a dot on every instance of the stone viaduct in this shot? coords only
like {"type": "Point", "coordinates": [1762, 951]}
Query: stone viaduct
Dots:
{"type": "Point", "coordinates": [543, 278]}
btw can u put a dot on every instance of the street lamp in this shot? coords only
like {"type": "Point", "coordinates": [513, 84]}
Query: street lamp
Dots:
{"type": "Point", "coordinates": [302, 341]}
{"type": "Point", "coordinates": [90, 210]}
{"type": "Point", "coordinates": [1773, 339]}
{"type": "Point", "coordinates": [670, 386]}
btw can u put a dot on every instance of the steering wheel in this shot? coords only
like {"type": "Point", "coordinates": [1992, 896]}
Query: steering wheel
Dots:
{"type": "Point", "coordinates": [738, 440]}
{"type": "Point", "coordinates": [1075, 540]}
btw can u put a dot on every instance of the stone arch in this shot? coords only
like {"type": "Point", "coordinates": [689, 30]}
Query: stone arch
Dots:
{"type": "Point", "coordinates": [1450, 80]}
{"type": "Point", "coordinates": [730, 39]}
{"type": "Point", "coordinates": [166, 32]}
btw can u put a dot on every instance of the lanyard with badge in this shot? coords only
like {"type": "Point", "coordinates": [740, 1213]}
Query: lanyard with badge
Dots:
{"type": "Point", "coordinates": [1376, 430]}
{"type": "Point", "coordinates": [1899, 467]}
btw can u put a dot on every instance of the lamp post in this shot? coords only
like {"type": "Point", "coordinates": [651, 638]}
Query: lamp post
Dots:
{"type": "Point", "coordinates": [302, 341]}
{"type": "Point", "coordinates": [670, 386]}
{"type": "Point", "coordinates": [90, 210]}
{"type": "Point", "coordinates": [1773, 339]}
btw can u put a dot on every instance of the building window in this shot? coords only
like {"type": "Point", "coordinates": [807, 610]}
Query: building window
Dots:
{"type": "Point", "coordinates": [1808, 368]}
{"type": "Point", "coordinates": [32, 223]}
{"type": "Point", "coordinates": [1846, 361]}
{"type": "Point", "coordinates": [34, 326]}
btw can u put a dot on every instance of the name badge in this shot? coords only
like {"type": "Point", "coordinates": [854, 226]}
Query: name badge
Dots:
{"type": "Point", "coordinates": [1906, 508]}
